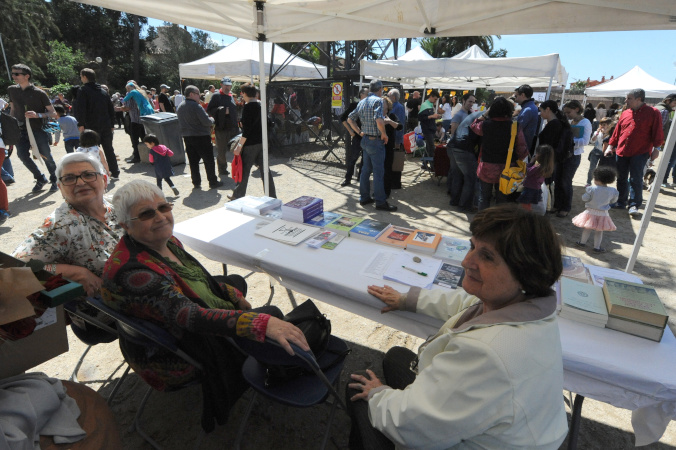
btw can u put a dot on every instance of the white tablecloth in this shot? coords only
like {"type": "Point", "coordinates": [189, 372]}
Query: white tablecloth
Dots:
{"type": "Point", "coordinates": [602, 364]}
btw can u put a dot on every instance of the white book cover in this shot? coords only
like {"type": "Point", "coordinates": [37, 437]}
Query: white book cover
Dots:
{"type": "Point", "coordinates": [292, 233]}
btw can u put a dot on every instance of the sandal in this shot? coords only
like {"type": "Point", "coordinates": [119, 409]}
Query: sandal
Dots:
{"type": "Point", "coordinates": [580, 244]}
{"type": "Point", "coordinates": [562, 214]}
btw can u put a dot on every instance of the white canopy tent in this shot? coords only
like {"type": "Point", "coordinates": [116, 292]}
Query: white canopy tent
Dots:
{"type": "Point", "coordinates": [634, 78]}
{"type": "Point", "coordinates": [334, 20]}
{"type": "Point", "coordinates": [469, 70]}
{"type": "Point", "coordinates": [240, 62]}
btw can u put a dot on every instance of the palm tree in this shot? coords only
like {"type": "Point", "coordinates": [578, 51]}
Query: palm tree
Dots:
{"type": "Point", "coordinates": [446, 47]}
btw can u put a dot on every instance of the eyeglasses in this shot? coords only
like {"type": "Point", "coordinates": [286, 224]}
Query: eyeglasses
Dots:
{"type": "Point", "coordinates": [150, 213]}
{"type": "Point", "coordinates": [87, 177]}
{"type": "Point", "coordinates": [17, 74]}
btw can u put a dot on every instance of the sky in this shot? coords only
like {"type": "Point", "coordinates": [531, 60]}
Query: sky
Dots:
{"type": "Point", "coordinates": [583, 55]}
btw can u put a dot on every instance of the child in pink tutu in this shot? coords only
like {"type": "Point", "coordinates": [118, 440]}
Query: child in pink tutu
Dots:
{"type": "Point", "coordinates": [598, 196]}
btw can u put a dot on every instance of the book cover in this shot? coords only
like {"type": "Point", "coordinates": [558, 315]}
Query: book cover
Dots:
{"type": "Point", "coordinates": [323, 219]}
{"type": "Point", "coordinates": [238, 204]}
{"type": "Point", "coordinates": [287, 232]}
{"type": "Point", "coordinates": [424, 241]}
{"type": "Point", "coordinates": [396, 236]}
{"type": "Point", "coordinates": [264, 205]}
{"type": "Point", "coordinates": [583, 299]}
{"type": "Point", "coordinates": [369, 229]}
{"type": "Point", "coordinates": [634, 301]}
{"type": "Point", "coordinates": [333, 242]}
{"type": "Point", "coordinates": [449, 276]}
{"type": "Point", "coordinates": [320, 239]}
{"type": "Point", "coordinates": [302, 203]}
{"type": "Point", "coordinates": [573, 268]}
{"type": "Point", "coordinates": [577, 131]}
{"type": "Point", "coordinates": [452, 249]}
{"type": "Point", "coordinates": [344, 224]}
{"type": "Point", "coordinates": [635, 328]}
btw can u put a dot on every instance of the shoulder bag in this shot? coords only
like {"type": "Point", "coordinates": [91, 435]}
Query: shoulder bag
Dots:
{"type": "Point", "coordinates": [512, 177]}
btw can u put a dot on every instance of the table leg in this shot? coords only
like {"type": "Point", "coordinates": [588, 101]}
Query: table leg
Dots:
{"type": "Point", "coordinates": [225, 270]}
{"type": "Point", "coordinates": [575, 417]}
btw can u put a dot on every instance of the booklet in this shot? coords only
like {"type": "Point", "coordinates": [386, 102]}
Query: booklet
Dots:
{"type": "Point", "coordinates": [449, 276]}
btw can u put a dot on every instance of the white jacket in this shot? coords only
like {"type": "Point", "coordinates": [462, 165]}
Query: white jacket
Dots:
{"type": "Point", "coordinates": [495, 381]}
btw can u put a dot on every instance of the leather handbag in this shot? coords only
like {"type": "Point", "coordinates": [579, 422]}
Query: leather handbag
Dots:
{"type": "Point", "coordinates": [398, 161]}
{"type": "Point", "coordinates": [511, 178]}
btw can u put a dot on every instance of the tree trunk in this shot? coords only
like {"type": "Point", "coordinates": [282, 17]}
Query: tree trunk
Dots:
{"type": "Point", "coordinates": [137, 55]}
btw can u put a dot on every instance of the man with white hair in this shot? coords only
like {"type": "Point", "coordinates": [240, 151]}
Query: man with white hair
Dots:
{"type": "Point", "coordinates": [178, 98]}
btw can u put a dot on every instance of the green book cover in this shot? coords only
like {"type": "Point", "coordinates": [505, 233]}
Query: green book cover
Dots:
{"type": "Point", "coordinates": [344, 224]}
{"type": "Point", "coordinates": [634, 301]}
{"type": "Point", "coordinates": [582, 297]}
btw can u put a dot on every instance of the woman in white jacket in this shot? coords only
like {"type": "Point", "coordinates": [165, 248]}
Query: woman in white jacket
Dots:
{"type": "Point", "coordinates": [492, 376]}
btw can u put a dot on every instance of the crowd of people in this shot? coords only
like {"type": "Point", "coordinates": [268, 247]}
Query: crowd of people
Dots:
{"type": "Point", "coordinates": [125, 251]}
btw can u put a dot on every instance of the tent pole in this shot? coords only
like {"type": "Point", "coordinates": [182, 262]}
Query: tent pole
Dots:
{"type": "Point", "coordinates": [650, 204]}
{"type": "Point", "coordinates": [361, 81]}
{"type": "Point", "coordinates": [260, 19]}
{"type": "Point", "coordinates": [549, 88]}
{"type": "Point", "coordinates": [563, 94]}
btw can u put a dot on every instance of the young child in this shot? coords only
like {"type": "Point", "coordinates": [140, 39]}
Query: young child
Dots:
{"type": "Point", "coordinates": [542, 167]}
{"type": "Point", "coordinates": [597, 152]}
{"type": "Point", "coordinates": [89, 143]}
{"type": "Point", "coordinates": [159, 156]}
{"type": "Point", "coordinates": [598, 198]}
{"type": "Point", "coordinates": [68, 125]}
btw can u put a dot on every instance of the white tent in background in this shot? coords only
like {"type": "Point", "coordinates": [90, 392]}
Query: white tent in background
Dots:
{"type": "Point", "coordinates": [239, 61]}
{"type": "Point", "coordinates": [415, 54]}
{"type": "Point", "coordinates": [635, 78]}
{"type": "Point", "coordinates": [470, 69]}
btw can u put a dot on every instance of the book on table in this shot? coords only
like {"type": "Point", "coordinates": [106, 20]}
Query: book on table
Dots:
{"type": "Point", "coordinates": [635, 328]}
{"type": "Point", "coordinates": [322, 238]}
{"type": "Point", "coordinates": [452, 249]}
{"type": "Point", "coordinates": [253, 205]}
{"type": "Point", "coordinates": [287, 232]}
{"type": "Point", "coordinates": [333, 242]}
{"type": "Point", "coordinates": [424, 241]}
{"type": "Point", "coordinates": [583, 302]}
{"type": "Point", "coordinates": [573, 268]}
{"type": "Point", "coordinates": [369, 229]}
{"type": "Point", "coordinates": [302, 208]}
{"type": "Point", "coordinates": [634, 301]}
{"type": "Point", "coordinates": [323, 219]}
{"type": "Point", "coordinates": [449, 276]}
{"type": "Point", "coordinates": [344, 224]}
{"type": "Point", "coordinates": [396, 236]}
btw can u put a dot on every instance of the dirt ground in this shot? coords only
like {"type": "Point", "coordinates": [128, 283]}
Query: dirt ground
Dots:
{"type": "Point", "coordinates": [173, 418]}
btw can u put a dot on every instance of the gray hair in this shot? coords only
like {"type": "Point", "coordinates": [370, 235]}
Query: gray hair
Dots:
{"type": "Point", "coordinates": [190, 89]}
{"type": "Point", "coordinates": [130, 194]}
{"type": "Point", "coordinates": [375, 85]}
{"type": "Point", "coordinates": [637, 93]}
{"type": "Point", "coordinates": [395, 94]}
{"type": "Point", "coordinates": [77, 157]}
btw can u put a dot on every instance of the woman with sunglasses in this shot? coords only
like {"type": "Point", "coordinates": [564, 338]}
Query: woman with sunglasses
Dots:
{"type": "Point", "coordinates": [150, 276]}
{"type": "Point", "coordinates": [79, 236]}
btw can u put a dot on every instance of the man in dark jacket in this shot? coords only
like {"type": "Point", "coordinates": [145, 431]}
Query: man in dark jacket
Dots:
{"type": "Point", "coordinates": [428, 116]}
{"type": "Point", "coordinates": [224, 111]}
{"type": "Point", "coordinates": [94, 111]}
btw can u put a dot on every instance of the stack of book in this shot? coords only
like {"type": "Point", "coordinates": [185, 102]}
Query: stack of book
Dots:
{"type": "Point", "coordinates": [302, 208]}
{"type": "Point", "coordinates": [369, 229]}
{"type": "Point", "coordinates": [396, 236]}
{"type": "Point", "coordinates": [573, 268]}
{"type": "Point", "coordinates": [635, 309]}
{"type": "Point", "coordinates": [323, 219]}
{"type": "Point", "coordinates": [424, 241]}
{"type": "Point", "coordinates": [583, 302]}
{"type": "Point", "coordinates": [452, 249]}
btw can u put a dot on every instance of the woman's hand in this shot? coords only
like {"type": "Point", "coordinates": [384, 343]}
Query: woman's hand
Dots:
{"type": "Point", "coordinates": [388, 295]}
{"type": "Point", "coordinates": [90, 282]}
{"type": "Point", "coordinates": [285, 332]}
{"type": "Point", "coordinates": [364, 385]}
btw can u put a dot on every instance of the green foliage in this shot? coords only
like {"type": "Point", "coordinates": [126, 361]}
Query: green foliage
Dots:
{"type": "Point", "coordinates": [63, 62]}
{"type": "Point", "coordinates": [63, 88]}
{"type": "Point", "coordinates": [447, 47]}
{"type": "Point", "coordinates": [578, 87]}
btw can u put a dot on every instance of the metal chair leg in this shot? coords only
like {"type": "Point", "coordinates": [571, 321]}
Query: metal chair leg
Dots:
{"type": "Point", "coordinates": [73, 376]}
{"type": "Point", "coordinates": [242, 426]}
{"type": "Point", "coordinates": [117, 385]}
{"type": "Point", "coordinates": [575, 417]}
{"type": "Point", "coordinates": [136, 425]}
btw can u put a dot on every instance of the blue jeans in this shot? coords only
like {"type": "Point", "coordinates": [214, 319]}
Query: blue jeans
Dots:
{"type": "Point", "coordinates": [7, 170]}
{"type": "Point", "coordinates": [23, 151]}
{"type": "Point", "coordinates": [563, 183]}
{"type": "Point", "coordinates": [71, 145]}
{"type": "Point", "coordinates": [486, 195]}
{"type": "Point", "coordinates": [464, 178]}
{"type": "Point", "coordinates": [670, 167]}
{"type": "Point", "coordinates": [374, 161]}
{"type": "Point", "coordinates": [594, 158]}
{"type": "Point", "coordinates": [630, 171]}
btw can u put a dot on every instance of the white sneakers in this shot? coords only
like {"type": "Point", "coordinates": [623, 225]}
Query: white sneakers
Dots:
{"type": "Point", "coordinates": [633, 211]}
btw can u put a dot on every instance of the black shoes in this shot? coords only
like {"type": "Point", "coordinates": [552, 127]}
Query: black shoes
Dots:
{"type": "Point", "coordinates": [366, 202]}
{"type": "Point", "coordinates": [215, 185]}
{"type": "Point", "coordinates": [133, 160]}
{"type": "Point", "coordinates": [346, 183]}
{"type": "Point", "coordinates": [386, 207]}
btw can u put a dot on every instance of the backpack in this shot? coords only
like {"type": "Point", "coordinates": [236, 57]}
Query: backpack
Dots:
{"type": "Point", "coordinates": [566, 147]}
{"type": "Point", "coordinates": [11, 133]}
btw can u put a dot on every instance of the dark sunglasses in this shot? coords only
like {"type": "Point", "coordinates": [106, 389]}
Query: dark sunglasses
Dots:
{"type": "Point", "coordinates": [17, 74]}
{"type": "Point", "coordinates": [150, 213]}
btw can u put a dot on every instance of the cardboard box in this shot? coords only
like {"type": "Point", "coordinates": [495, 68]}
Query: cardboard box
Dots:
{"type": "Point", "coordinates": [40, 346]}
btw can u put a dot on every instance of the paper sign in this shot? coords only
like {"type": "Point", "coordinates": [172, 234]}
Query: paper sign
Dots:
{"type": "Point", "coordinates": [211, 69]}
{"type": "Point", "coordinates": [15, 284]}
{"type": "Point", "coordinates": [337, 95]}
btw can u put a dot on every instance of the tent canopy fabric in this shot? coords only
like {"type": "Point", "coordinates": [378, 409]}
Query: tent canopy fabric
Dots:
{"type": "Point", "coordinates": [469, 70]}
{"type": "Point", "coordinates": [633, 79]}
{"type": "Point", "coordinates": [337, 20]}
{"type": "Point", "coordinates": [239, 61]}
{"type": "Point", "coordinates": [415, 54]}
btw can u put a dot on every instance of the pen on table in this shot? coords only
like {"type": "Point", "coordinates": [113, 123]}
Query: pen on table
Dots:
{"type": "Point", "coordinates": [415, 271]}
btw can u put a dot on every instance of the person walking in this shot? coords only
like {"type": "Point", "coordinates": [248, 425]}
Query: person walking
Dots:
{"type": "Point", "coordinates": [196, 131]}
{"type": "Point", "coordinates": [224, 111]}
{"type": "Point", "coordinates": [160, 157]}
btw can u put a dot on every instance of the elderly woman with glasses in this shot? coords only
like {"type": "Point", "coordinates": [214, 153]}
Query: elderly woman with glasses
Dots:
{"type": "Point", "coordinates": [79, 236]}
{"type": "Point", "coordinates": [150, 276]}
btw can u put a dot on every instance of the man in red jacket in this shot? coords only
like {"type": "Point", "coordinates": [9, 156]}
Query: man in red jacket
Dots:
{"type": "Point", "coordinates": [638, 131]}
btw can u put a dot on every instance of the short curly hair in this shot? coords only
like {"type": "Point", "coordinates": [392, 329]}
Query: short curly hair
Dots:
{"type": "Point", "coordinates": [526, 241]}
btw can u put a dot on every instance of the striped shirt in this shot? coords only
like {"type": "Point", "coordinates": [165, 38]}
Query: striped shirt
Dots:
{"type": "Point", "coordinates": [368, 110]}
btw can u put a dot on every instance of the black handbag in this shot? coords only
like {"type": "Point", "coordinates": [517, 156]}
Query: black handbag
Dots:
{"type": "Point", "coordinates": [11, 133]}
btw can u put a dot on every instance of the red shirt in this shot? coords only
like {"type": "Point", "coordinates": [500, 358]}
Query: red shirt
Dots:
{"type": "Point", "coordinates": [637, 132]}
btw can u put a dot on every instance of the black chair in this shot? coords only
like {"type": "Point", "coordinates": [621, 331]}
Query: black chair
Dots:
{"type": "Point", "coordinates": [145, 333]}
{"type": "Point", "coordinates": [311, 388]}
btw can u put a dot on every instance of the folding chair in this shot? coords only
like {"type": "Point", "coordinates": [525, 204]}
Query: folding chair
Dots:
{"type": "Point", "coordinates": [426, 166]}
{"type": "Point", "coordinates": [145, 333]}
{"type": "Point", "coordinates": [411, 145]}
{"type": "Point", "coordinates": [73, 311]}
{"type": "Point", "coordinates": [303, 391]}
